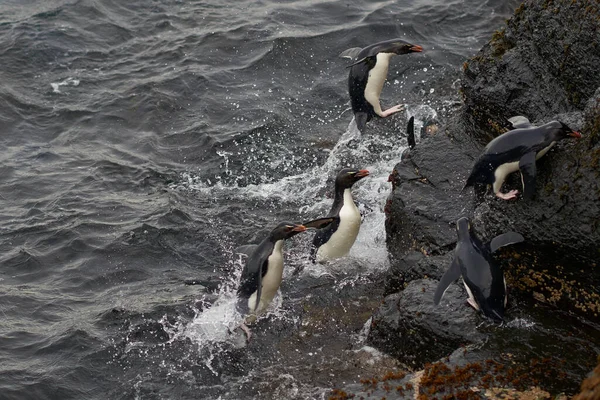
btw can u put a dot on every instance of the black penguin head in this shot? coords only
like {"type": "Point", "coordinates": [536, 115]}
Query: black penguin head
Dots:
{"type": "Point", "coordinates": [348, 177]}
{"type": "Point", "coordinates": [463, 228]}
{"type": "Point", "coordinates": [395, 46]}
{"type": "Point", "coordinates": [565, 132]}
{"type": "Point", "coordinates": [286, 230]}
{"type": "Point", "coordinates": [405, 48]}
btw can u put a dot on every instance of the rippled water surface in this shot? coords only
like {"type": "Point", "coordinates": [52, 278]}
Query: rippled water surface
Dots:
{"type": "Point", "coordinates": [142, 141]}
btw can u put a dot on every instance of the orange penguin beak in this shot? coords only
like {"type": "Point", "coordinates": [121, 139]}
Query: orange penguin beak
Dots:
{"type": "Point", "coordinates": [299, 228]}
{"type": "Point", "coordinates": [575, 134]}
{"type": "Point", "coordinates": [416, 48]}
{"type": "Point", "coordinates": [362, 173]}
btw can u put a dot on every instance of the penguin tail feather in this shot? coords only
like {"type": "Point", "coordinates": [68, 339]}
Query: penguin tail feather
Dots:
{"type": "Point", "coordinates": [470, 182]}
{"type": "Point", "coordinates": [361, 120]}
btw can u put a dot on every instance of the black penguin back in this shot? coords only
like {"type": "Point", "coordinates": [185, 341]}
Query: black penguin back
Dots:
{"type": "Point", "coordinates": [357, 82]}
{"type": "Point", "coordinates": [255, 269]}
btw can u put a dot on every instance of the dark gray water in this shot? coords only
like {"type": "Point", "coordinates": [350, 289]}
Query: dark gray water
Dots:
{"type": "Point", "coordinates": [143, 140]}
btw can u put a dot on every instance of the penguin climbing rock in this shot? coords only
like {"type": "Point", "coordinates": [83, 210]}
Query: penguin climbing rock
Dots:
{"type": "Point", "coordinates": [263, 271]}
{"type": "Point", "coordinates": [336, 239]}
{"type": "Point", "coordinates": [482, 276]}
{"type": "Point", "coordinates": [367, 76]}
{"type": "Point", "coordinates": [514, 150]}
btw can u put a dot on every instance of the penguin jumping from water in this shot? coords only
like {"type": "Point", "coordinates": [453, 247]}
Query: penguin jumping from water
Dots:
{"type": "Point", "coordinates": [515, 150]}
{"type": "Point", "coordinates": [336, 239]}
{"type": "Point", "coordinates": [263, 271]}
{"type": "Point", "coordinates": [482, 276]}
{"type": "Point", "coordinates": [367, 76]}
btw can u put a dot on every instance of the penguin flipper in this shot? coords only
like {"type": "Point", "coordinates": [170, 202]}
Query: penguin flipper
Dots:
{"type": "Point", "coordinates": [319, 223]}
{"type": "Point", "coordinates": [351, 53]}
{"type": "Point", "coordinates": [410, 132]}
{"type": "Point", "coordinates": [322, 236]}
{"type": "Point", "coordinates": [259, 275]}
{"type": "Point", "coordinates": [361, 118]}
{"type": "Point", "coordinates": [505, 239]}
{"type": "Point", "coordinates": [528, 171]}
{"type": "Point", "coordinates": [519, 122]}
{"type": "Point", "coordinates": [450, 276]}
{"type": "Point", "coordinates": [251, 280]}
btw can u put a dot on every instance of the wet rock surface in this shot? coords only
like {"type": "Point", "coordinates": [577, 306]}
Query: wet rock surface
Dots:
{"type": "Point", "coordinates": [410, 327]}
{"type": "Point", "coordinates": [427, 199]}
{"type": "Point", "coordinates": [543, 65]}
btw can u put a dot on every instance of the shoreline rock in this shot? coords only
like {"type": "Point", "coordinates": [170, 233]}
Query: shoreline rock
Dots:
{"type": "Point", "coordinates": [542, 65]}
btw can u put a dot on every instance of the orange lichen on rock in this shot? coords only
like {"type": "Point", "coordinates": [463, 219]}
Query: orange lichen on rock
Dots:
{"type": "Point", "coordinates": [590, 388]}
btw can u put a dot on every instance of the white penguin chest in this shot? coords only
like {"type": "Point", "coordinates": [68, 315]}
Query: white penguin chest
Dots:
{"type": "Point", "coordinates": [505, 169]}
{"type": "Point", "coordinates": [377, 77]}
{"type": "Point", "coordinates": [502, 172]}
{"type": "Point", "coordinates": [341, 241]}
{"type": "Point", "coordinates": [271, 281]}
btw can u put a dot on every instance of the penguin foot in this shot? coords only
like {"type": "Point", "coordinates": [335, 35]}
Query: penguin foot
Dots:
{"type": "Point", "coordinates": [244, 328]}
{"type": "Point", "coordinates": [392, 110]}
{"type": "Point", "coordinates": [508, 196]}
{"type": "Point", "coordinates": [247, 331]}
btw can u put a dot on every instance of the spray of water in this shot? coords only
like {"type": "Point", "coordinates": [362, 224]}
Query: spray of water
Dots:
{"type": "Point", "coordinates": [211, 328]}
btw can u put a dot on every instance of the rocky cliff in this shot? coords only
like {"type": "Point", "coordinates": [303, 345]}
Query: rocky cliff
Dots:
{"type": "Point", "coordinates": [542, 65]}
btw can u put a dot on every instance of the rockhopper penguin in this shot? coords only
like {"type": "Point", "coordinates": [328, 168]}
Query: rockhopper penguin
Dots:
{"type": "Point", "coordinates": [368, 74]}
{"type": "Point", "coordinates": [515, 150]}
{"type": "Point", "coordinates": [263, 271]}
{"type": "Point", "coordinates": [336, 239]}
{"type": "Point", "coordinates": [482, 276]}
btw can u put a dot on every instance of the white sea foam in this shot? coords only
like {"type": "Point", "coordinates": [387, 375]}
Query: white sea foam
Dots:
{"type": "Point", "coordinates": [520, 323]}
{"type": "Point", "coordinates": [66, 82]}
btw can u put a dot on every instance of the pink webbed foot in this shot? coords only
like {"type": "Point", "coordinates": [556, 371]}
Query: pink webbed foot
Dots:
{"type": "Point", "coordinates": [508, 196]}
{"type": "Point", "coordinates": [392, 110]}
{"type": "Point", "coordinates": [245, 328]}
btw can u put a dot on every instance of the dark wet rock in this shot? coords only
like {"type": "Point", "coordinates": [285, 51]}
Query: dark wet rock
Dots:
{"type": "Point", "coordinates": [542, 348]}
{"type": "Point", "coordinates": [410, 327]}
{"type": "Point", "coordinates": [541, 67]}
{"type": "Point", "coordinates": [563, 220]}
{"type": "Point", "coordinates": [544, 62]}
{"type": "Point", "coordinates": [463, 374]}
{"type": "Point", "coordinates": [426, 200]}
{"type": "Point", "coordinates": [565, 214]}
{"type": "Point", "coordinates": [415, 265]}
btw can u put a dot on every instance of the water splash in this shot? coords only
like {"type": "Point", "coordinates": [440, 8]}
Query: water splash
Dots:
{"type": "Point", "coordinates": [521, 323]}
{"type": "Point", "coordinates": [215, 328]}
{"type": "Point", "coordinates": [377, 151]}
